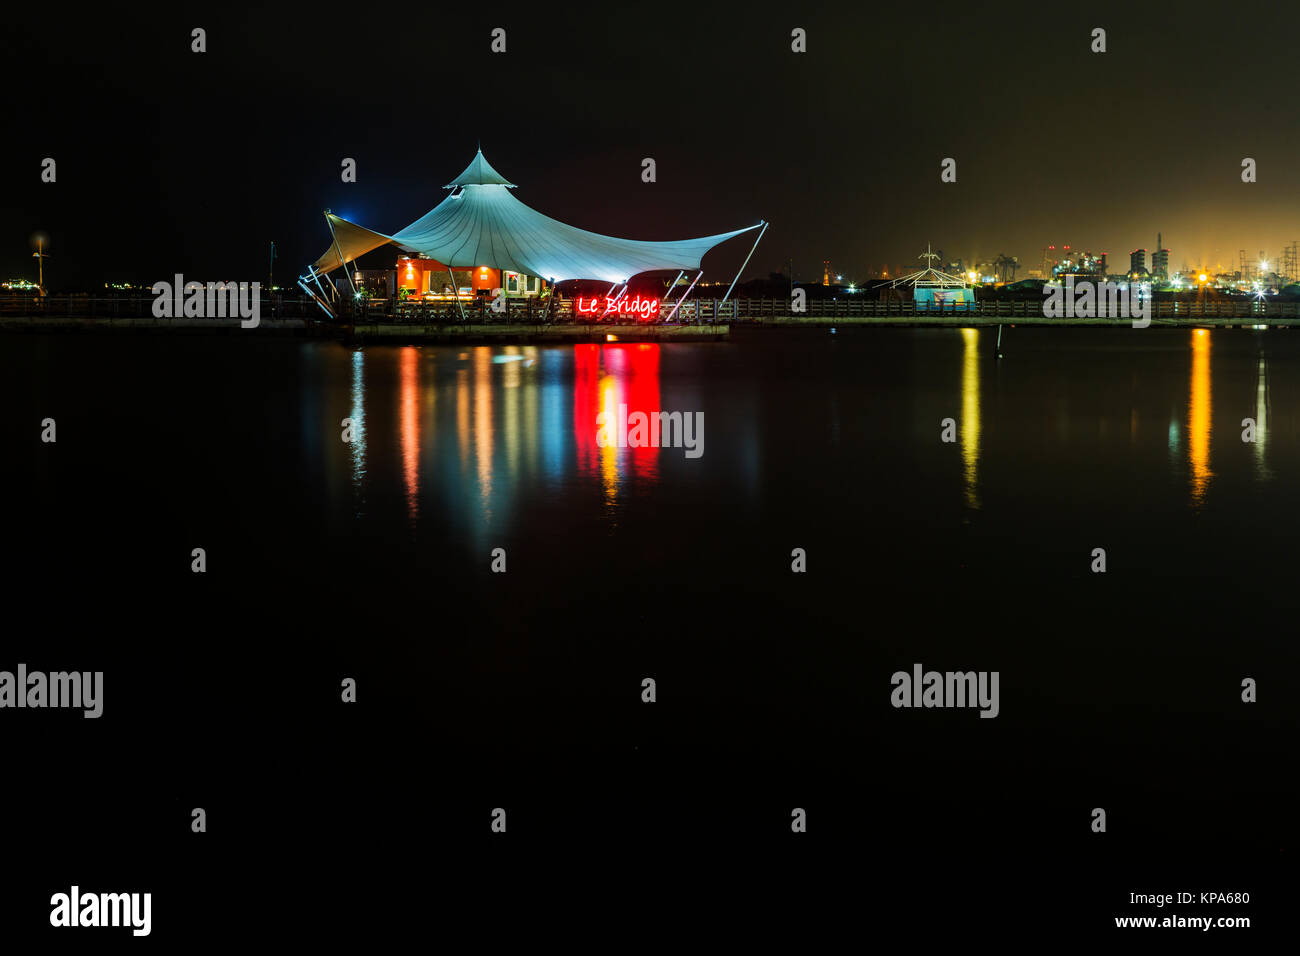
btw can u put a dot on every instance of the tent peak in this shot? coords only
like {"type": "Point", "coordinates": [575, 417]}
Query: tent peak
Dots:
{"type": "Point", "coordinates": [479, 172]}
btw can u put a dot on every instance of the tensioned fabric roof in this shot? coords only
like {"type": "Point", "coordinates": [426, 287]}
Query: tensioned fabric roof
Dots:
{"type": "Point", "coordinates": [482, 224]}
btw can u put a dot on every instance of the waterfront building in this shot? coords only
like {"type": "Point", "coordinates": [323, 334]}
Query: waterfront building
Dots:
{"type": "Point", "coordinates": [480, 238]}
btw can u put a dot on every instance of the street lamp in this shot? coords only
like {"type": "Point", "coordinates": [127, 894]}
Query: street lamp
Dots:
{"type": "Point", "coordinates": [40, 257]}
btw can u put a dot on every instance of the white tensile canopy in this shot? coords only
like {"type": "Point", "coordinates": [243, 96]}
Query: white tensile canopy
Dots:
{"type": "Point", "coordinates": [482, 224]}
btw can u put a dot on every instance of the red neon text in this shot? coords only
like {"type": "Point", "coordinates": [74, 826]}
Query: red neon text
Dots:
{"type": "Point", "coordinates": [605, 305]}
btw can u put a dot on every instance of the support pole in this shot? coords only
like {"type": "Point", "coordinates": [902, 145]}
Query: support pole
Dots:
{"type": "Point", "coordinates": [456, 293]}
{"type": "Point", "coordinates": [611, 303]}
{"type": "Point", "coordinates": [550, 300]}
{"type": "Point", "coordinates": [315, 298]}
{"type": "Point", "coordinates": [745, 263]}
{"type": "Point", "coordinates": [611, 288]}
{"type": "Point", "coordinates": [669, 294]}
{"type": "Point", "coordinates": [311, 271]}
{"type": "Point", "coordinates": [673, 285]}
{"type": "Point", "coordinates": [40, 257]}
{"type": "Point", "coordinates": [684, 295]}
{"type": "Point", "coordinates": [340, 252]}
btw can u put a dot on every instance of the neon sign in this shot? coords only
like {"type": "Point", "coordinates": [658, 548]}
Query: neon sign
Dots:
{"type": "Point", "coordinates": [643, 306]}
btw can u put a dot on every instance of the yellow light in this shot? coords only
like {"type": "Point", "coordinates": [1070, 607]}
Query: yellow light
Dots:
{"type": "Point", "coordinates": [1200, 417]}
{"type": "Point", "coordinates": [1202, 277]}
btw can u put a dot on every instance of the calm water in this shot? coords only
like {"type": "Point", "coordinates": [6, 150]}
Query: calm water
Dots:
{"type": "Point", "coordinates": [1076, 439]}
{"type": "Point", "coordinates": [373, 558]}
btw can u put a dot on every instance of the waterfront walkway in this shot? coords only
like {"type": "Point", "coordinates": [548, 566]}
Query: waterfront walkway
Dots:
{"type": "Point", "coordinates": [384, 320]}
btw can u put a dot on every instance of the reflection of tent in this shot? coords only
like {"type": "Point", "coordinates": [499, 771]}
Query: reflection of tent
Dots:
{"type": "Point", "coordinates": [481, 223]}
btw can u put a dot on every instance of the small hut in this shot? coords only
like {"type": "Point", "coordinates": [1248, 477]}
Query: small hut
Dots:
{"type": "Point", "coordinates": [933, 290]}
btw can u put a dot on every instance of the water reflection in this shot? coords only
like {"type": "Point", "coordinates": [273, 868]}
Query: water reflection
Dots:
{"type": "Point", "coordinates": [512, 372]}
{"type": "Point", "coordinates": [970, 416]}
{"type": "Point", "coordinates": [358, 416]}
{"type": "Point", "coordinates": [473, 442]}
{"type": "Point", "coordinates": [409, 427]}
{"type": "Point", "coordinates": [607, 378]}
{"type": "Point", "coordinates": [554, 398]}
{"type": "Point", "coordinates": [1261, 419]}
{"type": "Point", "coordinates": [1199, 422]}
{"type": "Point", "coordinates": [611, 396]}
{"type": "Point", "coordinates": [483, 431]}
{"type": "Point", "coordinates": [523, 418]}
{"type": "Point", "coordinates": [462, 412]}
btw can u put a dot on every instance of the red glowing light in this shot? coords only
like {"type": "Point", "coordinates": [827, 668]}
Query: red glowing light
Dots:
{"type": "Point", "coordinates": [638, 305]}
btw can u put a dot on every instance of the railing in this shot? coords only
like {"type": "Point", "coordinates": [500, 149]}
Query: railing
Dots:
{"type": "Point", "coordinates": [529, 311]}
{"type": "Point", "coordinates": [532, 311]}
{"type": "Point", "coordinates": [759, 309]}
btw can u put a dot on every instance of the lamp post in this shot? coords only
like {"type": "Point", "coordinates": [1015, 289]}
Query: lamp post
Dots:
{"type": "Point", "coordinates": [40, 257]}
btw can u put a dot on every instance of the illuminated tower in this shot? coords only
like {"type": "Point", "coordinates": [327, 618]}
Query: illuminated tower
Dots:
{"type": "Point", "coordinates": [1160, 260]}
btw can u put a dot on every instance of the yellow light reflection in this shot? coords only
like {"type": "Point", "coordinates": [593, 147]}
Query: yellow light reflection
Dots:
{"type": "Point", "coordinates": [1198, 416]}
{"type": "Point", "coordinates": [609, 401]}
{"type": "Point", "coordinates": [532, 426]}
{"type": "Point", "coordinates": [512, 377]}
{"type": "Point", "coordinates": [462, 415]}
{"type": "Point", "coordinates": [970, 415]}
{"type": "Point", "coordinates": [483, 432]}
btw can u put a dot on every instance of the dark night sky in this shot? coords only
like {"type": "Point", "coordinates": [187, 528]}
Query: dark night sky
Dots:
{"type": "Point", "coordinates": [170, 161]}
